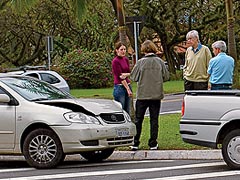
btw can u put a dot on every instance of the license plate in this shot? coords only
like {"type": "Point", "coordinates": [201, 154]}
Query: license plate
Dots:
{"type": "Point", "coordinates": [122, 132]}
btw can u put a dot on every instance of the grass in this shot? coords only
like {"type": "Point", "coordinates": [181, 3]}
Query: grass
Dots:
{"type": "Point", "coordinates": [106, 93]}
{"type": "Point", "coordinates": [169, 136]}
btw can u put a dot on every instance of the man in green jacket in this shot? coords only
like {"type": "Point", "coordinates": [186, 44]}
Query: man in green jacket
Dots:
{"type": "Point", "coordinates": [149, 72]}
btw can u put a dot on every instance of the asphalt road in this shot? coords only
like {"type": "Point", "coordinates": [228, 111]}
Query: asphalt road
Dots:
{"type": "Point", "coordinates": [122, 170]}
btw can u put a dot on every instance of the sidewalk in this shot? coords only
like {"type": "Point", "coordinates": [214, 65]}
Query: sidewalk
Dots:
{"type": "Point", "coordinates": [144, 155]}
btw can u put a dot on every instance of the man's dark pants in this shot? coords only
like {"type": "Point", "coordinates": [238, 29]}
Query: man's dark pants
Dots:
{"type": "Point", "coordinates": [154, 109]}
{"type": "Point", "coordinates": [190, 85]}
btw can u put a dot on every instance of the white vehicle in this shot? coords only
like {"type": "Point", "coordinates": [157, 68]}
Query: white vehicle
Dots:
{"type": "Point", "coordinates": [212, 119]}
{"type": "Point", "coordinates": [45, 124]}
{"type": "Point", "coordinates": [51, 77]}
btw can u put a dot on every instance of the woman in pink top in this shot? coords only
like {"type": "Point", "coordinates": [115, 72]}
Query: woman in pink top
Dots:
{"type": "Point", "coordinates": [122, 89]}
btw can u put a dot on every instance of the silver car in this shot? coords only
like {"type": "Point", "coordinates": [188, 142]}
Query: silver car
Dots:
{"type": "Point", "coordinates": [51, 77]}
{"type": "Point", "coordinates": [45, 124]}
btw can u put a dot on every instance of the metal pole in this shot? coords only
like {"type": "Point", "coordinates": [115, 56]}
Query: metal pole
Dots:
{"type": "Point", "coordinates": [49, 60]}
{"type": "Point", "coordinates": [135, 39]}
{"type": "Point", "coordinates": [49, 50]}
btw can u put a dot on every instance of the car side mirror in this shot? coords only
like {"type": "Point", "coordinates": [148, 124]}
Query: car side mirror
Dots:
{"type": "Point", "coordinates": [4, 98]}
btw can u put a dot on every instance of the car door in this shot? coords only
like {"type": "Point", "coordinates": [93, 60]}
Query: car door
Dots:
{"type": "Point", "coordinates": [7, 124]}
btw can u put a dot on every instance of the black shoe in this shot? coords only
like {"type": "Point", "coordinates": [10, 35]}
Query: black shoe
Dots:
{"type": "Point", "coordinates": [154, 147]}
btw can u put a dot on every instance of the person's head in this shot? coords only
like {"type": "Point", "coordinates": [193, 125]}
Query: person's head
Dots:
{"type": "Point", "coordinates": [148, 47]}
{"type": "Point", "coordinates": [219, 46]}
{"type": "Point", "coordinates": [193, 38]}
{"type": "Point", "coordinates": [120, 49]}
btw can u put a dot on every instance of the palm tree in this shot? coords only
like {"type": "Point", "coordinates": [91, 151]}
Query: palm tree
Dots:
{"type": "Point", "coordinates": [231, 38]}
{"type": "Point", "coordinates": [118, 7]}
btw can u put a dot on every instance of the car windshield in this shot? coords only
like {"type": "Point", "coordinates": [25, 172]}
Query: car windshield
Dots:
{"type": "Point", "coordinates": [33, 89]}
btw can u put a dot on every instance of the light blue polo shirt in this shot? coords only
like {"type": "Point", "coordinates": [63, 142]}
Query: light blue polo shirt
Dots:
{"type": "Point", "coordinates": [221, 69]}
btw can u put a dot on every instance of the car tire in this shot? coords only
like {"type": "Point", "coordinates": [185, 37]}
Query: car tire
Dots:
{"type": "Point", "coordinates": [97, 156]}
{"type": "Point", "coordinates": [231, 149]}
{"type": "Point", "coordinates": [43, 149]}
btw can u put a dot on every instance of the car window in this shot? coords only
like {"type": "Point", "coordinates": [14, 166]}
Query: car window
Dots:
{"type": "Point", "coordinates": [49, 78]}
{"type": "Point", "coordinates": [33, 89]}
{"type": "Point", "coordinates": [35, 75]}
{"type": "Point", "coordinates": [2, 91]}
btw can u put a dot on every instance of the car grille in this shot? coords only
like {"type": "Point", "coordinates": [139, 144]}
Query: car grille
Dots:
{"type": "Point", "coordinates": [112, 118]}
{"type": "Point", "coordinates": [120, 140]}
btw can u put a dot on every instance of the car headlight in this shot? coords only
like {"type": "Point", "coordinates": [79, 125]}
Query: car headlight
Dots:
{"type": "Point", "coordinates": [78, 117]}
{"type": "Point", "coordinates": [126, 115]}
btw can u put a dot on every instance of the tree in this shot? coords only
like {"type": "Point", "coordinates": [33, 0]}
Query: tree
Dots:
{"type": "Point", "coordinates": [78, 6]}
{"type": "Point", "coordinates": [171, 20]}
{"type": "Point", "coordinates": [23, 36]}
{"type": "Point", "coordinates": [231, 38]}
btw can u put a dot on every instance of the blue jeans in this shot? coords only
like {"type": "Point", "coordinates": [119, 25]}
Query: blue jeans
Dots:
{"type": "Point", "coordinates": [120, 94]}
{"type": "Point", "coordinates": [221, 86]}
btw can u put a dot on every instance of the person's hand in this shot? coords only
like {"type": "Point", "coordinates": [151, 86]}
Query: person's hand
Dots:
{"type": "Point", "coordinates": [129, 92]}
{"type": "Point", "coordinates": [124, 75]}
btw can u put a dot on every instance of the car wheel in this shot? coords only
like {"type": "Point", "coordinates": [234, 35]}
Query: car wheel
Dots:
{"type": "Point", "coordinates": [96, 156]}
{"type": "Point", "coordinates": [43, 149]}
{"type": "Point", "coordinates": [231, 149]}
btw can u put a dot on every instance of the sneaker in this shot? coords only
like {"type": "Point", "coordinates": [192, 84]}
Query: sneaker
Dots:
{"type": "Point", "coordinates": [154, 147]}
{"type": "Point", "coordinates": [134, 148]}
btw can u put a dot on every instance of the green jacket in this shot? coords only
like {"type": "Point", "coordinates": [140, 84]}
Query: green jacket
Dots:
{"type": "Point", "coordinates": [150, 72]}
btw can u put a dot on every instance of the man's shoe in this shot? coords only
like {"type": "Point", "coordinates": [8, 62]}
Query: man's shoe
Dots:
{"type": "Point", "coordinates": [134, 148]}
{"type": "Point", "coordinates": [154, 147]}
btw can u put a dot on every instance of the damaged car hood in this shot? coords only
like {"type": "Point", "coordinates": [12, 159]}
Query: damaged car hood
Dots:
{"type": "Point", "coordinates": [89, 106]}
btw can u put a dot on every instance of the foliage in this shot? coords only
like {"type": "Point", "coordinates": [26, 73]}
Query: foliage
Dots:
{"type": "Point", "coordinates": [87, 69]}
{"type": "Point", "coordinates": [23, 36]}
{"type": "Point", "coordinates": [171, 20]}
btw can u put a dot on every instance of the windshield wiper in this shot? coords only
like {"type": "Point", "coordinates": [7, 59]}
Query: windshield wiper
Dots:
{"type": "Point", "coordinates": [39, 99]}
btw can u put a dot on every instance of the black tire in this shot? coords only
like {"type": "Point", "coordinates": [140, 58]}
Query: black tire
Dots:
{"type": "Point", "coordinates": [231, 149]}
{"type": "Point", "coordinates": [43, 149]}
{"type": "Point", "coordinates": [97, 156]}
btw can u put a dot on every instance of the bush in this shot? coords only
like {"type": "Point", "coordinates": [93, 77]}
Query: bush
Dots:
{"type": "Point", "coordinates": [87, 69]}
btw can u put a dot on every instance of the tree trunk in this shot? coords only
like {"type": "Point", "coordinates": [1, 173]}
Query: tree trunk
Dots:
{"type": "Point", "coordinates": [231, 39]}
{"type": "Point", "coordinates": [118, 6]}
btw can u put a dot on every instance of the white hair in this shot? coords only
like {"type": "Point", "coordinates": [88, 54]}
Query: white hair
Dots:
{"type": "Point", "coordinates": [220, 45]}
{"type": "Point", "coordinates": [192, 34]}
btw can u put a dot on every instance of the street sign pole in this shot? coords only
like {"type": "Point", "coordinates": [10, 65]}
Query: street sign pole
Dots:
{"type": "Point", "coordinates": [49, 49]}
{"type": "Point", "coordinates": [135, 39]}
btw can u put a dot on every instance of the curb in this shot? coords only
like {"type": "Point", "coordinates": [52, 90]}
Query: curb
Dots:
{"type": "Point", "coordinates": [144, 155]}
{"type": "Point", "coordinates": [167, 154]}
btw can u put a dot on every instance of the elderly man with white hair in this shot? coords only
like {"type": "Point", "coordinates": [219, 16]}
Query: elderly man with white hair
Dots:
{"type": "Point", "coordinates": [197, 58]}
{"type": "Point", "coordinates": [220, 67]}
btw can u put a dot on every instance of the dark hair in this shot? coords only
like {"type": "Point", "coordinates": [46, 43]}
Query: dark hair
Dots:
{"type": "Point", "coordinates": [117, 46]}
{"type": "Point", "coordinates": [148, 47]}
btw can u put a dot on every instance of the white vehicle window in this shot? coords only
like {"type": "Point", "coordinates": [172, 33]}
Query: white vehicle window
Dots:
{"type": "Point", "coordinates": [49, 78]}
{"type": "Point", "coordinates": [35, 75]}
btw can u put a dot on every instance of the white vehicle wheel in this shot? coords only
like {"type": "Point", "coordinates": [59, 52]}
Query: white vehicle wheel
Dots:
{"type": "Point", "coordinates": [42, 149]}
{"type": "Point", "coordinates": [231, 149]}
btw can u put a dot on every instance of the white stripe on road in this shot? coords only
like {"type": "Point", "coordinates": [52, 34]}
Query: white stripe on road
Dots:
{"type": "Point", "coordinates": [127, 171]}
{"type": "Point", "coordinates": [200, 176]}
{"type": "Point", "coordinates": [15, 170]}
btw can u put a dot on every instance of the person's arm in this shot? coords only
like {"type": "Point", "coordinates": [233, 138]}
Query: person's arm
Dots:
{"type": "Point", "coordinates": [165, 72]}
{"type": "Point", "coordinates": [124, 75]}
{"type": "Point", "coordinates": [125, 84]}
